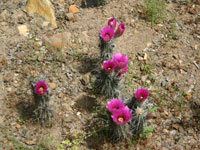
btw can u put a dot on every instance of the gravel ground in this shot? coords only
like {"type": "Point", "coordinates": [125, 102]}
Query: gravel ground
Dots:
{"type": "Point", "coordinates": [164, 59]}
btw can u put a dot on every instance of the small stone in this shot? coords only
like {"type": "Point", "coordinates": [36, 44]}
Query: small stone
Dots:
{"type": "Point", "coordinates": [52, 85]}
{"type": "Point", "coordinates": [45, 24]}
{"type": "Point", "coordinates": [158, 144]}
{"type": "Point", "coordinates": [73, 9]}
{"type": "Point", "coordinates": [176, 126]}
{"type": "Point", "coordinates": [149, 44]}
{"type": "Point", "coordinates": [85, 79]}
{"type": "Point", "coordinates": [145, 56]}
{"type": "Point", "coordinates": [9, 89]}
{"type": "Point", "coordinates": [4, 15]}
{"type": "Point", "coordinates": [175, 56]}
{"type": "Point", "coordinates": [61, 95]}
{"type": "Point", "coordinates": [18, 126]}
{"type": "Point", "coordinates": [5, 141]}
{"type": "Point", "coordinates": [23, 30]}
{"type": "Point", "coordinates": [173, 132]}
{"type": "Point", "coordinates": [144, 78]}
{"type": "Point", "coordinates": [166, 113]}
{"type": "Point", "coordinates": [136, 32]}
{"type": "Point", "coordinates": [30, 142]}
{"type": "Point", "coordinates": [196, 47]}
{"type": "Point", "coordinates": [165, 131]}
{"type": "Point", "coordinates": [140, 58]}
{"type": "Point", "coordinates": [70, 16]}
{"type": "Point", "coordinates": [188, 95]}
{"type": "Point", "coordinates": [78, 114]}
{"type": "Point", "coordinates": [43, 8]}
{"type": "Point", "coordinates": [58, 40]}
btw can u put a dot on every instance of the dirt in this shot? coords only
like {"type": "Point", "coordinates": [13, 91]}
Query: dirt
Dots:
{"type": "Point", "coordinates": [170, 72]}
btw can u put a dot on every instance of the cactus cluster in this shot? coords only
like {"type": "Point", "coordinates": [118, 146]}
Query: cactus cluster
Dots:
{"type": "Point", "coordinates": [108, 78]}
{"type": "Point", "coordinates": [127, 116]}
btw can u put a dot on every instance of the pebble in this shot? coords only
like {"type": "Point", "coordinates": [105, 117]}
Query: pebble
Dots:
{"type": "Point", "coordinates": [165, 131]}
{"type": "Point", "coordinates": [9, 89]}
{"type": "Point", "coordinates": [52, 85]}
{"type": "Point", "coordinates": [70, 16]}
{"type": "Point", "coordinates": [173, 132]}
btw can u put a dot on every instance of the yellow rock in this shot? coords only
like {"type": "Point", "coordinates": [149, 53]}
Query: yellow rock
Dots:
{"type": "Point", "coordinates": [43, 8]}
{"type": "Point", "coordinates": [23, 30]}
{"type": "Point", "coordinates": [70, 16]}
{"type": "Point", "coordinates": [73, 9]}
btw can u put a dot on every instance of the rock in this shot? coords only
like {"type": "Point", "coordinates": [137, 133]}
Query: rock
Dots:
{"type": "Point", "coordinates": [30, 142]}
{"type": "Point", "coordinates": [52, 85]}
{"type": "Point", "coordinates": [45, 24]}
{"type": "Point", "coordinates": [43, 8]}
{"type": "Point", "coordinates": [173, 132]}
{"type": "Point", "coordinates": [195, 47]}
{"type": "Point", "coordinates": [18, 126]}
{"type": "Point", "coordinates": [85, 79]}
{"type": "Point", "coordinates": [4, 15]}
{"type": "Point", "coordinates": [140, 58]}
{"type": "Point", "coordinates": [136, 32]}
{"type": "Point", "coordinates": [145, 56]}
{"type": "Point", "coordinates": [188, 95]}
{"type": "Point", "coordinates": [61, 95]}
{"type": "Point", "coordinates": [165, 131]}
{"type": "Point", "coordinates": [149, 44]}
{"type": "Point", "coordinates": [23, 30]}
{"type": "Point", "coordinates": [58, 40]}
{"type": "Point", "coordinates": [70, 16]}
{"type": "Point", "coordinates": [73, 9]}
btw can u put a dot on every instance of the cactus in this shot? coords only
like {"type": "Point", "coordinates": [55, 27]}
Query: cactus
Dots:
{"type": "Point", "coordinates": [42, 110]}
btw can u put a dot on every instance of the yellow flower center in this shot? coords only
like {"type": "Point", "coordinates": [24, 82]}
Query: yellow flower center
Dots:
{"type": "Point", "coordinates": [41, 89]}
{"type": "Point", "coordinates": [107, 34]}
{"type": "Point", "coordinates": [120, 119]}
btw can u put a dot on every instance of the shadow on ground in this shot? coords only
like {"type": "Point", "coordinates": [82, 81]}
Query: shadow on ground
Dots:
{"type": "Point", "coordinates": [88, 64]}
{"type": "Point", "coordinates": [86, 103]}
{"type": "Point", "coordinates": [92, 3]}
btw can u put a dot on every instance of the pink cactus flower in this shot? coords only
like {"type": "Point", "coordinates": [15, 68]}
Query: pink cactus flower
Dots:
{"type": "Point", "coordinates": [109, 66]}
{"type": "Point", "coordinates": [114, 105]}
{"type": "Point", "coordinates": [120, 61]}
{"type": "Point", "coordinates": [120, 30]}
{"type": "Point", "coordinates": [121, 72]}
{"type": "Point", "coordinates": [107, 33]}
{"type": "Point", "coordinates": [121, 116]}
{"type": "Point", "coordinates": [112, 23]}
{"type": "Point", "coordinates": [141, 94]}
{"type": "Point", "coordinates": [40, 88]}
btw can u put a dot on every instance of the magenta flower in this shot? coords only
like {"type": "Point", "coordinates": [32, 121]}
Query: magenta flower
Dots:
{"type": "Point", "coordinates": [107, 33]}
{"type": "Point", "coordinates": [120, 30]}
{"type": "Point", "coordinates": [120, 60]}
{"type": "Point", "coordinates": [141, 94]}
{"type": "Point", "coordinates": [112, 23]}
{"type": "Point", "coordinates": [121, 116]}
{"type": "Point", "coordinates": [108, 66]}
{"type": "Point", "coordinates": [114, 105]}
{"type": "Point", "coordinates": [121, 72]}
{"type": "Point", "coordinates": [40, 88]}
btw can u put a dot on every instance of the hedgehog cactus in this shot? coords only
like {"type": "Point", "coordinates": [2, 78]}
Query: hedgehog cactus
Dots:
{"type": "Point", "coordinates": [107, 34]}
{"type": "Point", "coordinates": [42, 110]}
{"type": "Point", "coordinates": [138, 107]}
